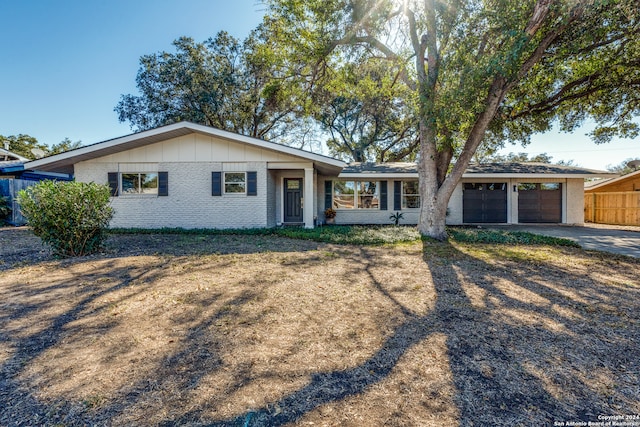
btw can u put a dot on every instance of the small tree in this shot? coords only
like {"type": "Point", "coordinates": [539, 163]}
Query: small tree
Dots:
{"type": "Point", "coordinates": [70, 217]}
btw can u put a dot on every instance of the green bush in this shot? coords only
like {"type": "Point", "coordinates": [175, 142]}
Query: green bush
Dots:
{"type": "Point", "coordinates": [473, 235]}
{"type": "Point", "coordinates": [5, 209]}
{"type": "Point", "coordinates": [70, 217]}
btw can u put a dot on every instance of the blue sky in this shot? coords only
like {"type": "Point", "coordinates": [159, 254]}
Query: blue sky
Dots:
{"type": "Point", "coordinates": [65, 63]}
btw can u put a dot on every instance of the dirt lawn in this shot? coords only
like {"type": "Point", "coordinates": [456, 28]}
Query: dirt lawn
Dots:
{"type": "Point", "coordinates": [248, 331]}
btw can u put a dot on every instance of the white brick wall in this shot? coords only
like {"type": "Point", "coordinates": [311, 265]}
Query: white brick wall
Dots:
{"type": "Point", "coordinates": [189, 203]}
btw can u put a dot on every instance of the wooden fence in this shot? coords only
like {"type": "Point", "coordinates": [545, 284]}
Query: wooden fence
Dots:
{"type": "Point", "coordinates": [621, 208]}
{"type": "Point", "coordinates": [9, 187]}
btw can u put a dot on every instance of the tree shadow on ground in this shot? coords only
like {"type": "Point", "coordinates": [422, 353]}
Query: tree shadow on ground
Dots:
{"type": "Point", "coordinates": [523, 348]}
{"type": "Point", "coordinates": [521, 351]}
{"type": "Point", "coordinates": [19, 247]}
{"type": "Point", "coordinates": [22, 332]}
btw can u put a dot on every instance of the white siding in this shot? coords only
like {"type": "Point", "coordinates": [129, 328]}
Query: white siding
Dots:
{"type": "Point", "coordinates": [196, 147]}
{"type": "Point", "coordinates": [189, 161]}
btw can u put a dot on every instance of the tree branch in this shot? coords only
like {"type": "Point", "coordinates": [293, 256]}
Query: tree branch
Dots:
{"type": "Point", "coordinates": [380, 46]}
{"type": "Point", "coordinates": [418, 47]}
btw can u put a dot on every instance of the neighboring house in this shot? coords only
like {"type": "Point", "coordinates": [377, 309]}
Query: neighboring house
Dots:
{"type": "Point", "coordinates": [10, 163]}
{"type": "Point", "coordinates": [613, 201]}
{"type": "Point", "coordinates": [14, 177]}
{"type": "Point", "coordinates": [628, 182]}
{"type": "Point", "coordinates": [193, 176]}
{"type": "Point", "coordinates": [7, 156]}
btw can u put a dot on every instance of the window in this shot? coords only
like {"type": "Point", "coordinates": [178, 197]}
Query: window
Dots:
{"type": "Point", "coordinates": [343, 194]}
{"type": "Point", "coordinates": [410, 195]}
{"type": "Point", "coordinates": [235, 182]}
{"type": "Point", "coordinates": [368, 195]}
{"type": "Point", "coordinates": [491, 186]}
{"type": "Point", "coordinates": [356, 195]}
{"type": "Point", "coordinates": [550, 186]}
{"type": "Point", "coordinates": [139, 183]}
{"type": "Point", "coordinates": [525, 186]}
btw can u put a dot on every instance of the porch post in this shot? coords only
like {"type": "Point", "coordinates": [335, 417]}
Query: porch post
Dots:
{"type": "Point", "coordinates": [309, 194]}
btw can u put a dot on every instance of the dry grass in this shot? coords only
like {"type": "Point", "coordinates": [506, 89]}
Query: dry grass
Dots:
{"type": "Point", "coordinates": [257, 330]}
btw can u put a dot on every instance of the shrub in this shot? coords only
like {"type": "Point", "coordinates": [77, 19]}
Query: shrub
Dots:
{"type": "Point", "coordinates": [5, 209]}
{"type": "Point", "coordinates": [70, 217]}
{"type": "Point", "coordinates": [471, 235]}
{"type": "Point", "coordinates": [396, 217]}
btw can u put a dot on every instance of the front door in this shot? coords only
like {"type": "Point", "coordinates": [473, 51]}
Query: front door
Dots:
{"type": "Point", "coordinates": [293, 200]}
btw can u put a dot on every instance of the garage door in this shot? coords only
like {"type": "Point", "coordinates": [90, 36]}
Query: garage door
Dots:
{"type": "Point", "coordinates": [541, 202]}
{"type": "Point", "coordinates": [484, 202]}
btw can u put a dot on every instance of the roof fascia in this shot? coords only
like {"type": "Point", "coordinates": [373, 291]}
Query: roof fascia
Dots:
{"type": "Point", "coordinates": [414, 175]}
{"type": "Point", "coordinates": [536, 175]}
{"type": "Point", "coordinates": [356, 175]}
{"type": "Point", "coordinates": [69, 155]}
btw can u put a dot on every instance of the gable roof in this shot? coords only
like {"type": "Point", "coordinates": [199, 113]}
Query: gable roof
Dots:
{"type": "Point", "coordinates": [487, 170]}
{"type": "Point", "coordinates": [11, 162]}
{"type": "Point", "coordinates": [598, 184]}
{"type": "Point", "coordinates": [8, 156]}
{"type": "Point", "coordinates": [64, 162]}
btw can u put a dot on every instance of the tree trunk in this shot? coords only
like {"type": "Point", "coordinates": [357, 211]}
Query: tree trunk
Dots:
{"type": "Point", "coordinates": [433, 203]}
{"type": "Point", "coordinates": [433, 217]}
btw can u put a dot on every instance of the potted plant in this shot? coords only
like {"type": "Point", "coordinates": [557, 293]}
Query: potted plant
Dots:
{"type": "Point", "coordinates": [330, 215]}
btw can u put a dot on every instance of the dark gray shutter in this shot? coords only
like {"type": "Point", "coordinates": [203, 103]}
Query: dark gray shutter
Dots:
{"type": "Point", "coordinates": [383, 195]}
{"type": "Point", "coordinates": [163, 183]}
{"type": "Point", "coordinates": [252, 183]}
{"type": "Point", "coordinates": [216, 183]}
{"type": "Point", "coordinates": [397, 195]}
{"type": "Point", "coordinates": [112, 177]}
{"type": "Point", "coordinates": [328, 196]}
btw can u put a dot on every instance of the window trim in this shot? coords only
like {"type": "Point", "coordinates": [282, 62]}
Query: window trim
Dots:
{"type": "Point", "coordinates": [225, 183]}
{"type": "Point", "coordinates": [139, 191]}
{"type": "Point", "coordinates": [357, 194]}
{"type": "Point", "coordinates": [403, 195]}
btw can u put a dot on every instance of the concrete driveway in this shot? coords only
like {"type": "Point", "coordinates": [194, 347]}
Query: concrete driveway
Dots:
{"type": "Point", "coordinates": [598, 237]}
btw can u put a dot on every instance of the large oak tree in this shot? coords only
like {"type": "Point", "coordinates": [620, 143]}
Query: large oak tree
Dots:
{"type": "Point", "coordinates": [480, 71]}
{"type": "Point", "coordinates": [367, 112]}
{"type": "Point", "coordinates": [243, 87]}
